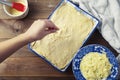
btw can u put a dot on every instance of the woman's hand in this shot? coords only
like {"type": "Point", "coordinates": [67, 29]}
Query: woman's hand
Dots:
{"type": "Point", "coordinates": [40, 29]}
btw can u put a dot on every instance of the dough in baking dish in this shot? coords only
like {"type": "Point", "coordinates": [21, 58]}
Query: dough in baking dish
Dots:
{"type": "Point", "coordinates": [60, 47]}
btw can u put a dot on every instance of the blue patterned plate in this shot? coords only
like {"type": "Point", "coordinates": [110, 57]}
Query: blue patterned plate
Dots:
{"type": "Point", "coordinates": [94, 48]}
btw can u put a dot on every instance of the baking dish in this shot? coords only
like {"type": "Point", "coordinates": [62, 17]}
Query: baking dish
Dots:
{"type": "Point", "coordinates": [96, 23]}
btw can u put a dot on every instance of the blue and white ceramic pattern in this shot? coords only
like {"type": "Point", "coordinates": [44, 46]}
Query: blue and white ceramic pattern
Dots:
{"type": "Point", "coordinates": [94, 48]}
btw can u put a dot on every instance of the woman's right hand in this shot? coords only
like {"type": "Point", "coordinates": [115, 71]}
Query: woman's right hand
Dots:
{"type": "Point", "coordinates": [40, 29]}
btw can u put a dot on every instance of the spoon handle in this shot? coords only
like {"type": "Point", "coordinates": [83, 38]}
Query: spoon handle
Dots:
{"type": "Point", "coordinates": [6, 3]}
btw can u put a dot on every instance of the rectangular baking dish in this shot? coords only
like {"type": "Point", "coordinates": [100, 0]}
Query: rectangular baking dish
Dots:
{"type": "Point", "coordinates": [96, 23]}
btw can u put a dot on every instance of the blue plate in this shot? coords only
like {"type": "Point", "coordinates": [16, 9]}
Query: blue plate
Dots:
{"type": "Point", "coordinates": [94, 48]}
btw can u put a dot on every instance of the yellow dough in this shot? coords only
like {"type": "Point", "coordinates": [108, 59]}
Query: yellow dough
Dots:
{"type": "Point", "coordinates": [95, 66]}
{"type": "Point", "coordinates": [60, 47]}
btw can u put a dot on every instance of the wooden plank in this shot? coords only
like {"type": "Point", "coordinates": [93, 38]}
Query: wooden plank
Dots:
{"type": "Point", "coordinates": [42, 4]}
{"type": "Point", "coordinates": [41, 8]}
{"type": "Point", "coordinates": [24, 52]}
{"type": "Point", "coordinates": [12, 28]}
{"type": "Point", "coordinates": [36, 78]}
{"type": "Point", "coordinates": [30, 66]}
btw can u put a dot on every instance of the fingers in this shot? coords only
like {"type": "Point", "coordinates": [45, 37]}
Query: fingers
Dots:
{"type": "Point", "coordinates": [51, 27]}
{"type": "Point", "coordinates": [50, 30]}
{"type": "Point", "coordinates": [48, 26]}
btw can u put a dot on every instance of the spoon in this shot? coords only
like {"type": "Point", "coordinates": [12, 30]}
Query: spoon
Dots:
{"type": "Point", "coordinates": [15, 5]}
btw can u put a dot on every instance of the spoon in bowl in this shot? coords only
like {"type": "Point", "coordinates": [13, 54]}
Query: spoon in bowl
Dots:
{"type": "Point", "coordinates": [15, 5]}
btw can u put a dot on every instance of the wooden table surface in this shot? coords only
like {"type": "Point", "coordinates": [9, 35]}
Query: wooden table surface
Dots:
{"type": "Point", "coordinates": [23, 64]}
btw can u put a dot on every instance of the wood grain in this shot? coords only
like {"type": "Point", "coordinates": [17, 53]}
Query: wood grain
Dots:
{"type": "Point", "coordinates": [23, 64]}
{"type": "Point", "coordinates": [33, 66]}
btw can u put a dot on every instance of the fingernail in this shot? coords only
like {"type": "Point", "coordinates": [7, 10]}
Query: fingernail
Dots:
{"type": "Point", "coordinates": [46, 29]}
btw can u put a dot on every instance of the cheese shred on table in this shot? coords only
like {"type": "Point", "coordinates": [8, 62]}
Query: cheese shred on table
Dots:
{"type": "Point", "coordinates": [95, 66]}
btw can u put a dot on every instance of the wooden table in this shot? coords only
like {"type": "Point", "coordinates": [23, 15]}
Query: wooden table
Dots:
{"type": "Point", "coordinates": [23, 64]}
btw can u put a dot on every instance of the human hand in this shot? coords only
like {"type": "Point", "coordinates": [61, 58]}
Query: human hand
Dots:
{"type": "Point", "coordinates": [39, 29]}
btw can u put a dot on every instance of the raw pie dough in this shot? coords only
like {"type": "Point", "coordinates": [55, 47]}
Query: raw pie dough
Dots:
{"type": "Point", "coordinates": [60, 47]}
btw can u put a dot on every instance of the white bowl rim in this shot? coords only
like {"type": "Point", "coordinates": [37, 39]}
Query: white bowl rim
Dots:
{"type": "Point", "coordinates": [26, 4]}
